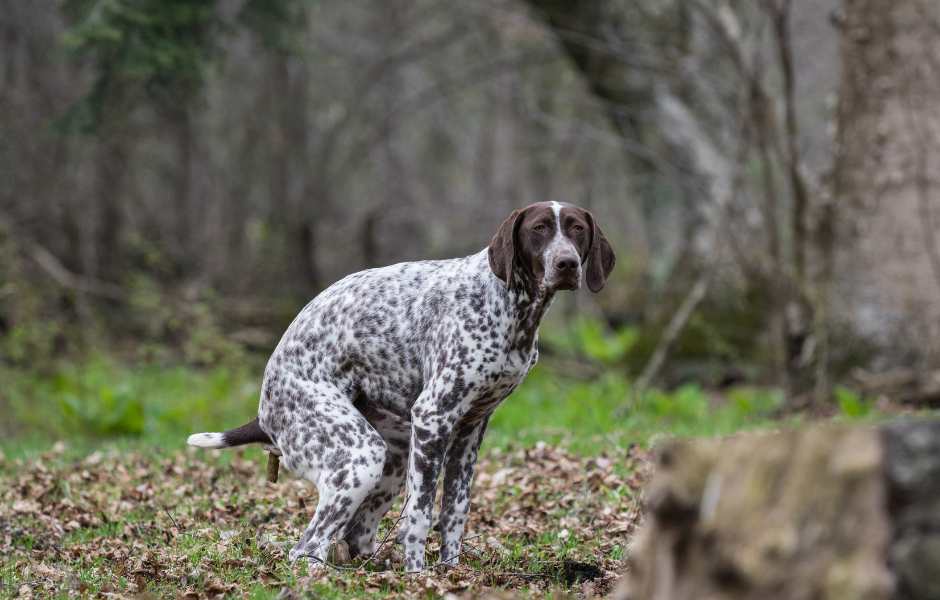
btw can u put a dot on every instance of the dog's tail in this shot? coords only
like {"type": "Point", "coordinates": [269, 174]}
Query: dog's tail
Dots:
{"type": "Point", "coordinates": [249, 433]}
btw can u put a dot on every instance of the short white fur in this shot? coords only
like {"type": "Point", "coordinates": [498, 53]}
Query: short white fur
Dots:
{"type": "Point", "coordinates": [559, 246]}
{"type": "Point", "coordinates": [206, 440]}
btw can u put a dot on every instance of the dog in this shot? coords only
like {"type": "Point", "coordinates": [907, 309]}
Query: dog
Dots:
{"type": "Point", "coordinates": [387, 378]}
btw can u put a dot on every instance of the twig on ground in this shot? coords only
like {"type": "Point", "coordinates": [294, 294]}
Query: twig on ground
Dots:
{"type": "Point", "coordinates": [167, 511]}
{"type": "Point", "coordinates": [388, 534]}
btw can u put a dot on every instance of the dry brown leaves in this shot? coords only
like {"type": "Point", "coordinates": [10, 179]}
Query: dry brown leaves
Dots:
{"type": "Point", "coordinates": [194, 525]}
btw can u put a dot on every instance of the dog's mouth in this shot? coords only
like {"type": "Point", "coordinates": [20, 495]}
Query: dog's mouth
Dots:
{"type": "Point", "coordinates": [566, 282]}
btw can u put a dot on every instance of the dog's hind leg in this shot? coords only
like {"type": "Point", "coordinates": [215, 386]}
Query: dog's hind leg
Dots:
{"type": "Point", "coordinates": [360, 534]}
{"type": "Point", "coordinates": [361, 531]}
{"type": "Point", "coordinates": [333, 446]}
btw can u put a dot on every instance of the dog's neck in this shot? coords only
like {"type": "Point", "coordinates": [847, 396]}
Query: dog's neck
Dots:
{"type": "Point", "coordinates": [526, 302]}
{"type": "Point", "coordinates": [528, 308]}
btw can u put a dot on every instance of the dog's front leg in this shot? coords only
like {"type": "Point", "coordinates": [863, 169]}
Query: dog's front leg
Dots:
{"type": "Point", "coordinates": [431, 431]}
{"type": "Point", "coordinates": [458, 477]}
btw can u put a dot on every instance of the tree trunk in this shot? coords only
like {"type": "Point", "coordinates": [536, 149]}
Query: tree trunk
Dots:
{"type": "Point", "coordinates": [111, 170]}
{"type": "Point", "coordinates": [289, 163]}
{"type": "Point", "coordinates": [581, 28]}
{"type": "Point", "coordinates": [183, 196]}
{"type": "Point", "coordinates": [279, 171]}
{"type": "Point", "coordinates": [886, 172]}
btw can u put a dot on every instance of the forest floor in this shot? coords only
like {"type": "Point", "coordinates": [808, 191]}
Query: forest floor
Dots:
{"type": "Point", "coordinates": [206, 524]}
{"type": "Point", "coordinates": [100, 497]}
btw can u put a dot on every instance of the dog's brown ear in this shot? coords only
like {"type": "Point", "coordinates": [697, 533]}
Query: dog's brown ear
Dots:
{"type": "Point", "coordinates": [502, 249]}
{"type": "Point", "coordinates": [600, 258]}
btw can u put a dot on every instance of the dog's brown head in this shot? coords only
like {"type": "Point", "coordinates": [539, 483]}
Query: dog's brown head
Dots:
{"type": "Point", "coordinates": [547, 245]}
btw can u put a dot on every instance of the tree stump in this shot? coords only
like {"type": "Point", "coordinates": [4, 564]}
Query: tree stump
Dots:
{"type": "Point", "coordinates": [829, 512]}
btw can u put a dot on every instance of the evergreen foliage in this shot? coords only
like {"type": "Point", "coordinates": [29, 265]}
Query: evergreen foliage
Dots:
{"type": "Point", "coordinates": [158, 52]}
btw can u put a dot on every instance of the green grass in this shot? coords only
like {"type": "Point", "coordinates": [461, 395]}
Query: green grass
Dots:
{"type": "Point", "coordinates": [588, 416]}
{"type": "Point", "coordinates": [127, 405]}
{"type": "Point", "coordinates": [105, 401]}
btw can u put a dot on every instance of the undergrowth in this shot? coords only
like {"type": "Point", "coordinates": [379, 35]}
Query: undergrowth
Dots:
{"type": "Point", "coordinates": [101, 398]}
{"type": "Point", "coordinates": [106, 400]}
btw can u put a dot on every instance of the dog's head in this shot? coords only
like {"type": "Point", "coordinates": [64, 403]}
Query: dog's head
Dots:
{"type": "Point", "coordinates": [550, 246]}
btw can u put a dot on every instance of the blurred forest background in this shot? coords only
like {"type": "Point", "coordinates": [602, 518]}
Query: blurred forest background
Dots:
{"type": "Point", "coordinates": [180, 176]}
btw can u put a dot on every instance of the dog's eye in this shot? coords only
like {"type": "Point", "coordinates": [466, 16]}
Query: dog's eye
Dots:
{"type": "Point", "coordinates": [577, 228]}
{"type": "Point", "coordinates": [540, 228]}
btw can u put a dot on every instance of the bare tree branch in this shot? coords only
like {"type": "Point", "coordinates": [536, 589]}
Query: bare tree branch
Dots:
{"type": "Point", "coordinates": [54, 268]}
{"type": "Point", "coordinates": [678, 322]}
{"type": "Point", "coordinates": [781, 15]}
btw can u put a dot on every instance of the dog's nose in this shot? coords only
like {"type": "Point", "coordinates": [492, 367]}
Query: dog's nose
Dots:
{"type": "Point", "coordinates": [565, 265]}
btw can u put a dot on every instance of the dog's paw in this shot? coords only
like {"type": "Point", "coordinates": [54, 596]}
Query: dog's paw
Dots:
{"type": "Point", "coordinates": [316, 566]}
{"type": "Point", "coordinates": [316, 569]}
{"type": "Point", "coordinates": [414, 566]}
{"type": "Point", "coordinates": [297, 552]}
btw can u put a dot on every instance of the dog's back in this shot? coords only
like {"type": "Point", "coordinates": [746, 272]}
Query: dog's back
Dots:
{"type": "Point", "coordinates": [375, 333]}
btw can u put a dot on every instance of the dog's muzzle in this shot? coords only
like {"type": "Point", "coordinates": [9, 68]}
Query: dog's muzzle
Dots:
{"type": "Point", "coordinates": [566, 273]}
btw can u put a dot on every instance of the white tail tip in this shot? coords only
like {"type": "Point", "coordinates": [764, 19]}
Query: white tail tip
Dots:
{"type": "Point", "coordinates": [207, 440]}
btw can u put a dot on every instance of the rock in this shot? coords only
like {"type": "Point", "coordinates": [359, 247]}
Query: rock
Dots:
{"type": "Point", "coordinates": [829, 512]}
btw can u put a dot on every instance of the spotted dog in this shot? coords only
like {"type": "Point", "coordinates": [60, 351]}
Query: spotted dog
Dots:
{"type": "Point", "coordinates": [388, 378]}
